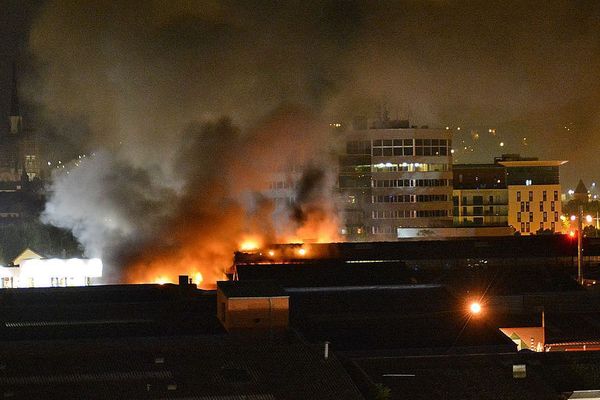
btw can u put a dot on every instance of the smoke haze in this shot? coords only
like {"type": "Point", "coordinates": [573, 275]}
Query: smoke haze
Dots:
{"type": "Point", "coordinates": [152, 81]}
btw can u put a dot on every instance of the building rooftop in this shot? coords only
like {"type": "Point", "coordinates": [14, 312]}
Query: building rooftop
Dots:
{"type": "Point", "coordinates": [536, 163]}
{"type": "Point", "coordinates": [200, 367]}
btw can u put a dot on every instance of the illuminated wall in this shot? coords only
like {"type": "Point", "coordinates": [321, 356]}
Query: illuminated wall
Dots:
{"type": "Point", "coordinates": [52, 272]}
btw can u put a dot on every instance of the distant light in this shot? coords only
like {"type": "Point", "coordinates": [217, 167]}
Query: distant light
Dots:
{"type": "Point", "coordinates": [572, 234]}
{"type": "Point", "coordinates": [573, 218]}
{"type": "Point", "coordinates": [593, 183]}
{"type": "Point", "coordinates": [452, 151]}
{"type": "Point", "coordinates": [302, 251]}
{"type": "Point", "coordinates": [563, 218]}
{"type": "Point", "coordinates": [271, 253]}
{"type": "Point", "coordinates": [589, 219]}
{"type": "Point", "coordinates": [447, 127]}
{"type": "Point", "coordinates": [458, 128]}
{"type": "Point", "coordinates": [571, 192]}
{"type": "Point", "coordinates": [475, 308]}
{"type": "Point", "coordinates": [501, 144]}
{"type": "Point", "coordinates": [528, 182]}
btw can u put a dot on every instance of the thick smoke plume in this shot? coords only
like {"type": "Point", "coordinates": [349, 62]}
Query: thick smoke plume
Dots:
{"type": "Point", "coordinates": [168, 185]}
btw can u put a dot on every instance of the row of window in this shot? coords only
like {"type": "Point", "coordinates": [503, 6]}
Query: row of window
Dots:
{"type": "Point", "coordinates": [544, 195]}
{"type": "Point", "coordinates": [400, 147]}
{"type": "Point", "coordinates": [397, 214]}
{"type": "Point", "coordinates": [530, 216]}
{"type": "Point", "coordinates": [410, 167]}
{"type": "Point", "coordinates": [409, 198]}
{"type": "Point", "coordinates": [393, 183]}
{"type": "Point", "coordinates": [526, 226]}
{"type": "Point", "coordinates": [393, 214]}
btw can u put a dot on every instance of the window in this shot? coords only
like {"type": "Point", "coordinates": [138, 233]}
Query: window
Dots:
{"type": "Point", "coordinates": [527, 227]}
{"type": "Point", "coordinates": [491, 200]}
{"type": "Point", "coordinates": [545, 216]}
{"type": "Point", "coordinates": [530, 196]}
{"type": "Point", "coordinates": [522, 226]}
{"type": "Point", "coordinates": [541, 226]}
{"type": "Point", "coordinates": [556, 215]}
{"type": "Point", "coordinates": [393, 147]}
{"type": "Point", "coordinates": [553, 226]}
{"type": "Point", "coordinates": [541, 206]}
{"type": "Point", "coordinates": [555, 195]}
{"type": "Point", "coordinates": [530, 217]}
{"type": "Point", "coordinates": [527, 206]}
{"type": "Point", "coordinates": [432, 147]}
{"type": "Point", "coordinates": [522, 206]}
{"type": "Point", "coordinates": [518, 217]}
{"type": "Point", "coordinates": [544, 196]}
{"type": "Point", "coordinates": [552, 206]}
{"type": "Point", "coordinates": [518, 196]}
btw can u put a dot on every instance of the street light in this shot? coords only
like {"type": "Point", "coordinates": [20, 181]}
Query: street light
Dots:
{"type": "Point", "coordinates": [475, 308]}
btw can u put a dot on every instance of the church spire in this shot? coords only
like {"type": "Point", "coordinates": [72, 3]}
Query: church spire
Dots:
{"type": "Point", "coordinates": [15, 118]}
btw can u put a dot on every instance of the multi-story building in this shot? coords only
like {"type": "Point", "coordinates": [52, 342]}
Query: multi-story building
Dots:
{"type": "Point", "coordinates": [533, 194]}
{"type": "Point", "coordinates": [516, 191]}
{"type": "Point", "coordinates": [393, 176]}
{"type": "Point", "coordinates": [480, 196]}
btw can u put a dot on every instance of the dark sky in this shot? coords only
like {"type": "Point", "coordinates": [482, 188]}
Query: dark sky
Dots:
{"type": "Point", "coordinates": [527, 69]}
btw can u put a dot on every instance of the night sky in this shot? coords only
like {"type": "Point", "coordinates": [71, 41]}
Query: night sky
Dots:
{"type": "Point", "coordinates": [526, 69]}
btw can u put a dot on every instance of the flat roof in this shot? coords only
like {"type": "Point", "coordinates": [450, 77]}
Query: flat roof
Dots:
{"type": "Point", "coordinates": [537, 163]}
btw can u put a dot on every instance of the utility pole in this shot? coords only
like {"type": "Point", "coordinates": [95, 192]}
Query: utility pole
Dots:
{"type": "Point", "coordinates": [579, 241]}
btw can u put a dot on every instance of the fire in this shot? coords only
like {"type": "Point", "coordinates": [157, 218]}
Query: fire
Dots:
{"type": "Point", "coordinates": [249, 245]}
{"type": "Point", "coordinates": [161, 280]}
{"type": "Point", "coordinates": [198, 278]}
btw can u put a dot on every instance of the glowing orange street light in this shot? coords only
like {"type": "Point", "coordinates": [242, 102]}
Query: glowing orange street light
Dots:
{"type": "Point", "coordinates": [475, 308]}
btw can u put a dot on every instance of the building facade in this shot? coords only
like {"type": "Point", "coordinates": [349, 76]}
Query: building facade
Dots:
{"type": "Point", "coordinates": [394, 176]}
{"type": "Point", "coordinates": [521, 192]}
{"type": "Point", "coordinates": [479, 196]}
{"type": "Point", "coordinates": [533, 195]}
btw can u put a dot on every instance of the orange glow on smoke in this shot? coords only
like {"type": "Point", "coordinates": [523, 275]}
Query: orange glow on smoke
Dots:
{"type": "Point", "coordinates": [250, 243]}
